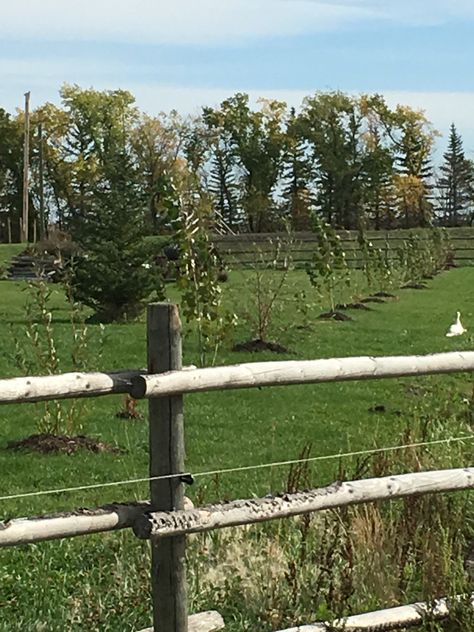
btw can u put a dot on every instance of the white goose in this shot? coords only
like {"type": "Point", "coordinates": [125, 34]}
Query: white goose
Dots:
{"type": "Point", "coordinates": [456, 328]}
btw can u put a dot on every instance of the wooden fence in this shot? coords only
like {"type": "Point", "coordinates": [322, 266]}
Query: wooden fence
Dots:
{"type": "Point", "coordinates": [240, 250]}
{"type": "Point", "coordinates": [166, 520]}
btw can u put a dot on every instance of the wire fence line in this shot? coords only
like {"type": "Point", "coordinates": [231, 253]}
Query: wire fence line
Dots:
{"type": "Point", "coordinates": [245, 468]}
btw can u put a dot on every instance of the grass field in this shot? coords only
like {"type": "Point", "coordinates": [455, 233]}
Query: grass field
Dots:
{"type": "Point", "coordinates": [101, 582]}
{"type": "Point", "coordinates": [7, 251]}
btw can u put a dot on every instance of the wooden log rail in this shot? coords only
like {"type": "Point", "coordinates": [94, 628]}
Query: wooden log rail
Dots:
{"type": "Point", "coordinates": [19, 390]}
{"type": "Point", "coordinates": [388, 619]}
{"type": "Point", "coordinates": [109, 517]}
{"type": "Point", "coordinates": [257, 374]}
{"type": "Point", "coordinates": [66, 525]}
{"type": "Point", "coordinates": [339, 494]}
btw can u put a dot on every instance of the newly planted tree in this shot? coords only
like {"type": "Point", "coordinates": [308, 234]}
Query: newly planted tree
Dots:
{"type": "Point", "coordinates": [39, 350]}
{"type": "Point", "coordinates": [268, 282]}
{"type": "Point", "coordinates": [328, 270]}
{"type": "Point", "coordinates": [199, 269]}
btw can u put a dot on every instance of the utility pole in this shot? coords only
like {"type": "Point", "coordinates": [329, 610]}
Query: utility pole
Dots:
{"type": "Point", "coordinates": [42, 226]}
{"type": "Point", "coordinates": [26, 169]}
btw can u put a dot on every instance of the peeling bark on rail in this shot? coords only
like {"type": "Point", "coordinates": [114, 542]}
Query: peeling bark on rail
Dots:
{"type": "Point", "coordinates": [110, 517]}
{"type": "Point", "coordinates": [240, 512]}
{"type": "Point", "coordinates": [388, 619]}
{"type": "Point", "coordinates": [66, 525]}
{"type": "Point", "coordinates": [257, 374]}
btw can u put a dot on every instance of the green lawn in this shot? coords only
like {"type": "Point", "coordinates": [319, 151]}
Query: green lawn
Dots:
{"type": "Point", "coordinates": [8, 251]}
{"type": "Point", "coordinates": [100, 582]}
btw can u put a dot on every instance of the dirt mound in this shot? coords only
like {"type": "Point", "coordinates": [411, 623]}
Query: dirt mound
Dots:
{"type": "Point", "coordinates": [384, 295]}
{"type": "Point", "coordinates": [414, 286]}
{"type": "Point", "coordinates": [332, 315]}
{"type": "Point", "coordinates": [353, 306]}
{"type": "Point", "coordinates": [259, 345]}
{"type": "Point", "coordinates": [48, 443]}
{"type": "Point", "coordinates": [373, 299]}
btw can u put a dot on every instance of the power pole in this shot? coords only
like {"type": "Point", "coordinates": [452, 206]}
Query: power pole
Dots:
{"type": "Point", "coordinates": [26, 169]}
{"type": "Point", "coordinates": [42, 226]}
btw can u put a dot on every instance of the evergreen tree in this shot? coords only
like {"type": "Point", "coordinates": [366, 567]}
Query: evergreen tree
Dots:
{"type": "Point", "coordinates": [223, 179]}
{"type": "Point", "coordinates": [377, 180]}
{"type": "Point", "coordinates": [415, 169]}
{"type": "Point", "coordinates": [456, 182]}
{"type": "Point", "coordinates": [11, 177]}
{"type": "Point", "coordinates": [296, 177]}
{"type": "Point", "coordinates": [114, 275]}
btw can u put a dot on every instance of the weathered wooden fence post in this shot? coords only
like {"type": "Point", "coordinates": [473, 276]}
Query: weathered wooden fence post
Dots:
{"type": "Point", "coordinates": [168, 573]}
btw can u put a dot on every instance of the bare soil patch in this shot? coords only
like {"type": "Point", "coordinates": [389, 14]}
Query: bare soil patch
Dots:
{"type": "Point", "coordinates": [334, 315]}
{"type": "Point", "coordinates": [340, 306]}
{"type": "Point", "coordinates": [48, 443]}
{"type": "Point", "coordinates": [384, 295]}
{"type": "Point", "coordinates": [414, 286]}
{"type": "Point", "coordinates": [254, 346]}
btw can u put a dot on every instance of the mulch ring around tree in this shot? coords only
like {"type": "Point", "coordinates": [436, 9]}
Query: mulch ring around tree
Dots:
{"type": "Point", "coordinates": [340, 306]}
{"type": "Point", "coordinates": [48, 443]}
{"type": "Point", "coordinates": [384, 295]}
{"type": "Point", "coordinates": [373, 299]}
{"type": "Point", "coordinates": [334, 315]}
{"type": "Point", "coordinates": [414, 286]}
{"type": "Point", "coordinates": [260, 345]}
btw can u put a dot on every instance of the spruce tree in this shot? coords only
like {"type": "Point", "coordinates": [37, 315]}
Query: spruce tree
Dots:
{"type": "Point", "coordinates": [114, 274]}
{"type": "Point", "coordinates": [456, 182]}
{"type": "Point", "coordinates": [296, 194]}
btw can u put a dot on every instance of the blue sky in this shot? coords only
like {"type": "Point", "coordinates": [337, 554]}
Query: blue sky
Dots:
{"type": "Point", "coordinates": [186, 53]}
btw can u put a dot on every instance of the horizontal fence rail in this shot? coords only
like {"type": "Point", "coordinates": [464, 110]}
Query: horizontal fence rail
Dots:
{"type": "Point", "coordinates": [390, 618]}
{"type": "Point", "coordinates": [339, 494]}
{"type": "Point", "coordinates": [110, 517]}
{"type": "Point", "coordinates": [257, 374]}
{"type": "Point", "coordinates": [190, 379]}
{"type": "Point", "coordinates": [66, 386]}
{"type": "Point", "coordinates": [24, 390]}
{"type": "Point", "coordinates": [66, 525]}
{"type": "Point", "coordinates": [246, 249]}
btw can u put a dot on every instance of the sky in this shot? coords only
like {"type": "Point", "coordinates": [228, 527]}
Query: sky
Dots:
{"type": "Point", "coordinates": [183, 54]}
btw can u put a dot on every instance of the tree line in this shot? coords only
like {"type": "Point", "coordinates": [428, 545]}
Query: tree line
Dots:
{"type": "Point", "coordinates": [100, 165]}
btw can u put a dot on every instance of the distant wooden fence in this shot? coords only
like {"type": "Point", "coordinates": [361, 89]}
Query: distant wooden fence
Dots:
{"type": "Point", "coordinates": [240, 249]}
{"type": "Point", "coordinates": [165, 520]}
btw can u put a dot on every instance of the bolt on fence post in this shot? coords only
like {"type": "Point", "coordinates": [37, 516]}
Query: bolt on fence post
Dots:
{"type": "Point", "coordinates": [166, 446]}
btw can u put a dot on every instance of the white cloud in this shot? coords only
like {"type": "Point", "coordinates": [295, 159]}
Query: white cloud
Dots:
{"type": "Point", "coordinates": [209, 21]}
{"type": "Point", "coordinates": [413, 12]}
{"type": "Point", "coordinates": [172, 21]}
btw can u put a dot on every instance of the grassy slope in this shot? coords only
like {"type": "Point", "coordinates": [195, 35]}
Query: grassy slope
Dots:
{"type": "Point", "coordinates": [7, 251]}
{"type": "Point", "coordinates": [44, 583]}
